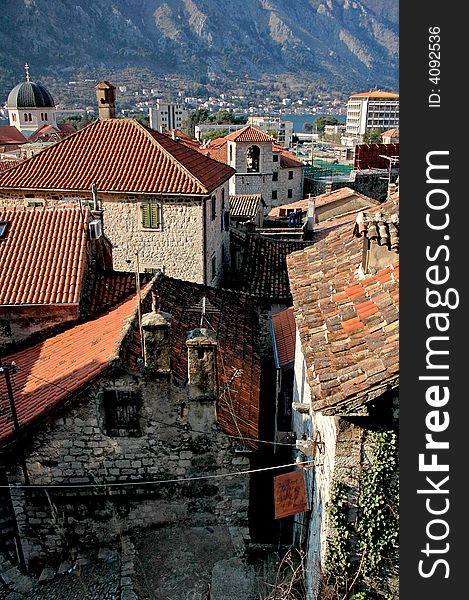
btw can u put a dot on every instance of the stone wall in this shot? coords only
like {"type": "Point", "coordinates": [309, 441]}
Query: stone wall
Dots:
{"type": "Point", "coordinates": [176, 246]}
{"type": "Point", "coordinates": [75, 448]}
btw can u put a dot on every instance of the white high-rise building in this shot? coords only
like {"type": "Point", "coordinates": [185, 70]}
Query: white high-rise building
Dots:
{"type": "Point", "coordinates": [167, 116]}
{"type": "Point", "coordinates": [371, 110]}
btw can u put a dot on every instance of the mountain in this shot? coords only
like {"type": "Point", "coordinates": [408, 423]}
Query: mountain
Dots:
{"type": "Point", "coordinates": [343, 43]}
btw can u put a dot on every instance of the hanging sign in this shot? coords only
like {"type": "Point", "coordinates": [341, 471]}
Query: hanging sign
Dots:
{"type": "Point", "coordinates": [290, 494]}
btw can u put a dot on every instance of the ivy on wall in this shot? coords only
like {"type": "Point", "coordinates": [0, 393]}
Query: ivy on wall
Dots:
{"type": "Point", "coordinates": [360, 551]}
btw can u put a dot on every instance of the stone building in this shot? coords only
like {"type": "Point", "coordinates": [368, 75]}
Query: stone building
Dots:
{"type": "Point", "coordinates": [112, 413]}
{"type": "Point", "coordinates": [345, 397]}
{"type": "Point", "coordinates": [262, 166]}
{"type": "Point", "coordinates": [47, 263]}
{"type": "Point", "coordinates": [163, 204]}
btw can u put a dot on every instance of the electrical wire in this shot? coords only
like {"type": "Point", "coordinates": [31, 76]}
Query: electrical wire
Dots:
{"type": "Point", "coordinates": [176, 425]}
{"type": "Point", "coordinates": [157, 482]}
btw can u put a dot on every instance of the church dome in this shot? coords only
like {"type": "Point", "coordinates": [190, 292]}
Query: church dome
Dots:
{"type": "Point", "coordinates": [30, 95]}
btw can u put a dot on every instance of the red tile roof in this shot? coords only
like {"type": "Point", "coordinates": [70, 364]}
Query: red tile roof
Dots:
{"type": "Point", "coordinates": [217, 149]}
{"type": "Point", "coordinates": [263, 271]}
{"type": "Point", "coordinates": [287, 158]}
{"type": "Point", "coordinates": [285, 335]}
{"type": "Point", "coordinates": [235, 321]}
{"type": "Point", "coordinates": [182, 137]}
{"type": "Point", "coordinates": [302, 204]}
{"type": "Point", "coordinates": [249, 134]}
{"type": "Point", "coordinates": [50, 371]}
{"type": "Point", "coordinates": [8, 164]}
{"type": "Point", "coordinates": [344, 193]}
{"type": "Point", "coordinates": [110, 288]}
{"type": "Point", "coordinates": [42, 255]}
{"type": "Point", "coordinates": [348, 324]}
{"type": "Point", "coordinates": [10, 135]}
{"type": "Point", "coordinates": [118, 155]}
{"type": "Point", "coordinates": [375, 94]}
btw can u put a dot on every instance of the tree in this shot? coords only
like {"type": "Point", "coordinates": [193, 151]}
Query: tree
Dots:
{"type": "Point", "coordinates": [214, 134]}
{"type": "Point", "coordinates": [200, 115]}
{"type": "Point", "coordinates": [321, 123]}
{"type": "Point", "coordinates": [307, 127]}
{"type": "Point", "coordinates": [373, 136]}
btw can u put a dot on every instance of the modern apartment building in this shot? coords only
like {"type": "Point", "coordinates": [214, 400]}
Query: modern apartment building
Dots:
{"type": "Point", "coordinates": [167, 116]}
{"type": "Point", "coordinates": [371, 110]}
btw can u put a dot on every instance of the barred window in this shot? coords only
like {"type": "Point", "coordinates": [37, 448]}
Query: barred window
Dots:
{"type": "Point", "coordinates": [121, 412]}
{"type": "Point", "coordinates": [151, 215]}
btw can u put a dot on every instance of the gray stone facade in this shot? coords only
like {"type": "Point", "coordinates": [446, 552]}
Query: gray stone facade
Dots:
{"type": "Point", "coordinates": [79, 448]}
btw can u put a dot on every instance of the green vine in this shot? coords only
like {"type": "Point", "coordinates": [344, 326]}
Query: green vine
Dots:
{"type": "Point", "coordinates": [378, 525]}
{"type": "Point", "coordinates": [376, 531]}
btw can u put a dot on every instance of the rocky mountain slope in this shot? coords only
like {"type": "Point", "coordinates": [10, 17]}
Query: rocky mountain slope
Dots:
{"type": "Point", "coordinates": [342, 42]}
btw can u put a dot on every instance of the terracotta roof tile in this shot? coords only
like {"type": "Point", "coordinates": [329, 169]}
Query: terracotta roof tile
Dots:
{"type": "Point", "coordinates": [42, 255]}
{"type": "Point", "coordinates": [49, 372]}
{"type": "Point", "coordinates": [348, 323]}
{"type": "Point", "coordinates": [375, 94]}
{"type": "Point", "coordinates": [263, 271]}
{"type": "Point", "coordinates": [10, 135]}
{"type": "Point", "coordinates": [118, 155]}
{"type": "Point", "coordinates": [285, 335]}
{"type": "Point", "coordinates": [249, 134]}
{"type": "Point", "coordinates": [59, 366]}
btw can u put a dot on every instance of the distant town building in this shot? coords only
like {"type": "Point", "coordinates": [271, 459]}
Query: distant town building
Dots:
{"type": "Point", "coordinates": [167, 116]}
{"type": "Point", "coordinates": [282, 130]}
{"type": "Point", "coordinates": [30, 106]}
{"type": "Point", "coordinates": [371, 110]}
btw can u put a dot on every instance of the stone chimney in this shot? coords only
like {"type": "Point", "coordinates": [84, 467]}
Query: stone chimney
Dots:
{"type": "Point", "coordinates": [203, 381]}
{"type": "Point", "coordinates": [202, 364]}
{"type": "Point", "coordinates": [106, 96]}
{"type": "Point", "coordinates": [155, 327]}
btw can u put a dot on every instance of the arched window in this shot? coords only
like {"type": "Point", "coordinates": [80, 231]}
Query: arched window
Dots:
{"type": "Point", "coordinates": [252, 159]}
{"type": "Point", "coordinates": [30, 116]}
{"type": "Point", "coordinates": [25, 117]}
{"type": "Point", "coordinates": [45, 116]}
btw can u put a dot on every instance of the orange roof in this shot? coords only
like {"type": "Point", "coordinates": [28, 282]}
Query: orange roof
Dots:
{"type": "Point", "coordinates": [302, 204]}
{"type": "Point", "coordinates": [118, 155]}
{"type": "Point", "coordinates": [375, 94]}
{"type": "Point", "coordinates": [285, 335]}
{"type": "Point", "coordinates": [50, 371]}
{"type": "Point", "coordinates": [287, 158]}
{"type": "Point", "coordinates": [42, 255]}
{"type": "Point", "coordinates": [10, 135]}
{"type": "Point", "coordinates": [343, 194]}
{"type": "Point", "coordinates": [217, 149]}
{"type": "Point", "coordinates": [248, 134]}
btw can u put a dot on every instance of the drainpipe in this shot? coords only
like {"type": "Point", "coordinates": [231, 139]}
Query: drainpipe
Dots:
{"type": "Point", "coordinates": [204, 236]}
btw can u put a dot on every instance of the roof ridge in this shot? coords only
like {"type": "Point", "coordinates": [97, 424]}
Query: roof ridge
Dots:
{"type": "Point", "coordinates": [168, 153]}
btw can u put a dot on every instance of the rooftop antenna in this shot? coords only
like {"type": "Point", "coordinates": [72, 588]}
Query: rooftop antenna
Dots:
{"type": "Point", "coordinates": [26, 68]}
{"type": "Point", "coordinates": [205, 308]}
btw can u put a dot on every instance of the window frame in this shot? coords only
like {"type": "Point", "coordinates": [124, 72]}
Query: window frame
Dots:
{"type": "Point", "coordinates": [119, 422]}
{"type": "Point", "coordinates": [153, 219]}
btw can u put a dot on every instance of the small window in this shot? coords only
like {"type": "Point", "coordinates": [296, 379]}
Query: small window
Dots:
{"type": "Point", "coordinates": [231, 153]}
{"type": "Point", "coordinates": [45, 116]}
{"type": "Point", "coordinates": [35, 203]}
{"type": "Point", "coordinates": [275, 157]}
{"type": "Point", "coordinates": [121, 412]}
{"type": "Point", "coordinates": [290, 193]}
{"type": "Point", "coordinates": [151, 215]}
{"type": "Point", "coordinates": [290, 174]}
{"type": "Point", "coordinates": [214, 207]}
{"type": "Point", "coordinates": [275, 176]}
{"type": "Point", "coordinates": [274, 194]}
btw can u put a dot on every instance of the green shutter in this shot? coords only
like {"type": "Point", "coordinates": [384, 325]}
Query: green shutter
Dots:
{"type": "Point", "coordinates": [150, 215]}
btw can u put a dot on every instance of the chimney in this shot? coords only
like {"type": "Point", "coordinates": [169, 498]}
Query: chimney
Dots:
{"type": "Point", "coordinates": [311, 213]}
{"type": "Point", "coordinates": [106, 96]}
{"type": "Point", "coordinates": [202, 363]}
{"type": "Point", "coordinates": [328, 188]}
{"type": "Point", "coordinates": [155, 327]}
{"type": "Point", "coordinates": [203, 381]}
